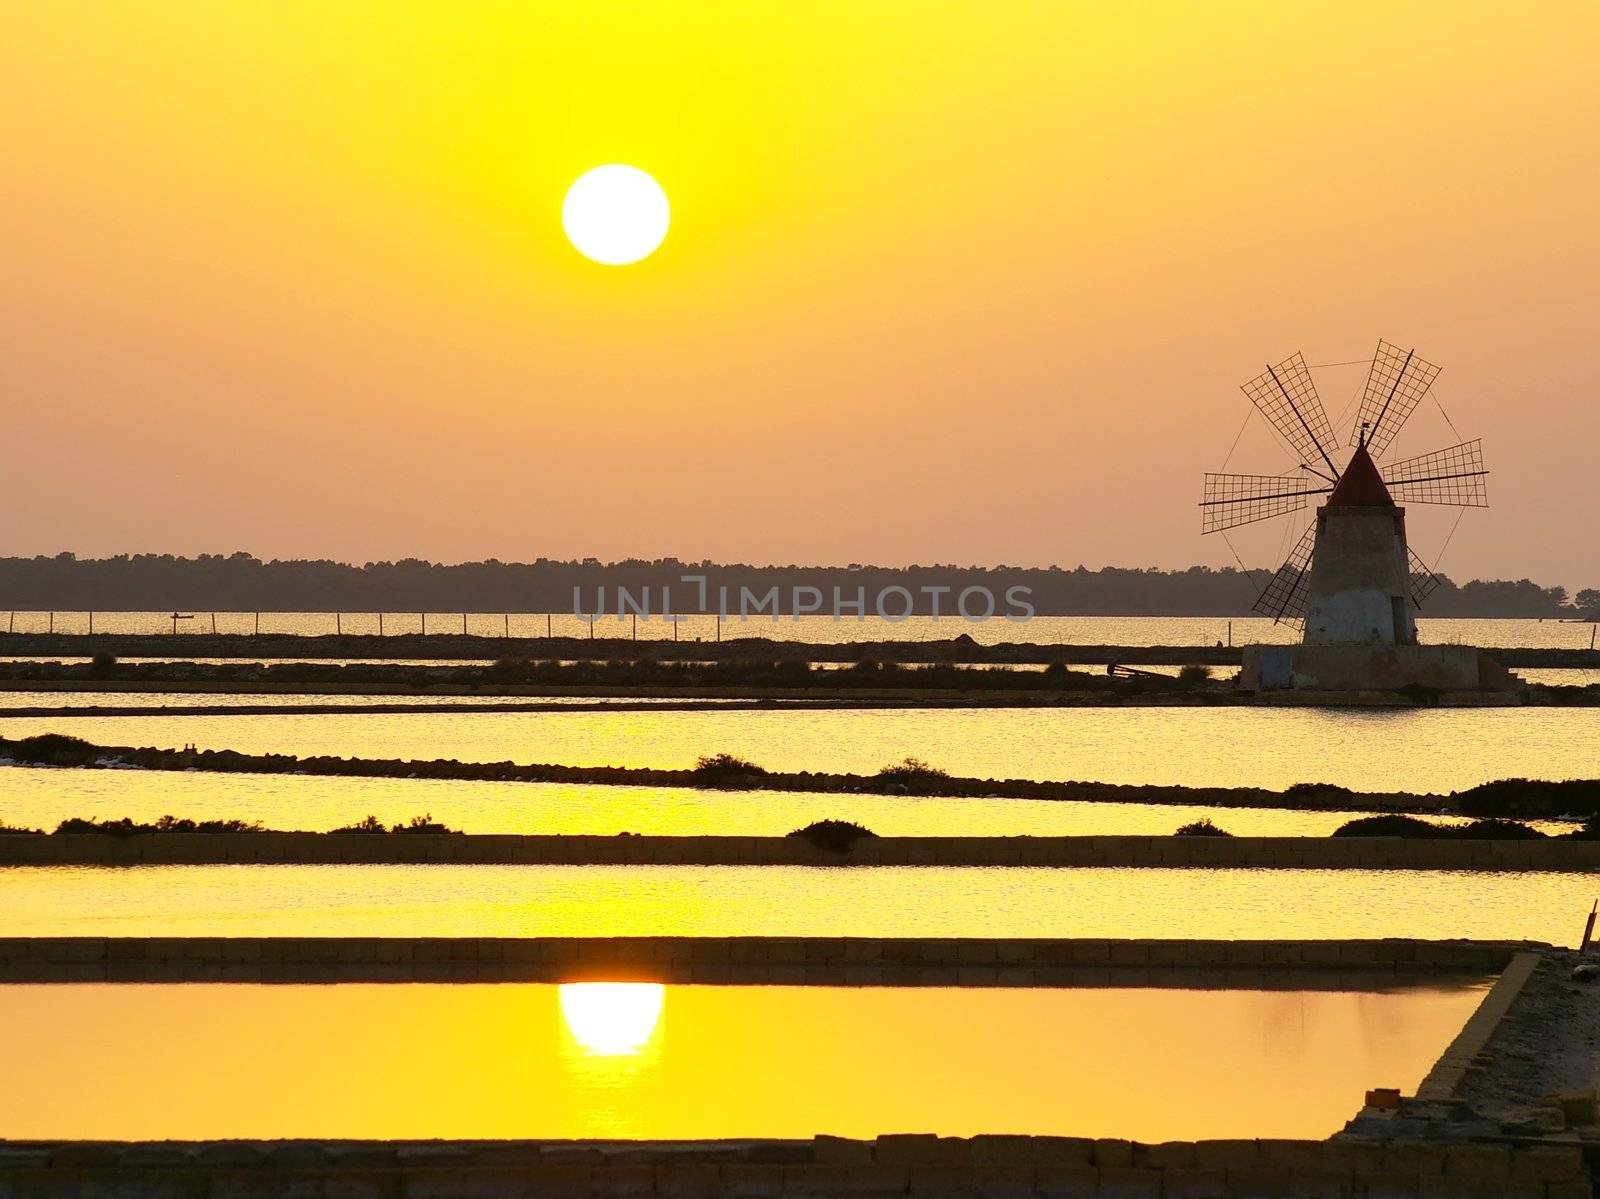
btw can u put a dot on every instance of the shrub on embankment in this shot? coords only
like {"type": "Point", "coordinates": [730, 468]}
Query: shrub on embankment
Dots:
{"type": "Point", "coordinates": [1414, 828]}
{"type": "Point", "coordinates": [835, 836]}
{"type": "Point", "coordinates": [1201, 828]}
{"type": "Point", "coordinates": [417, 824]}
{"type": "Point", "coordinates": [909, 773]}
{"type": "Point", "coordinates": [724, 772]}
{"type": "Point", "coordinates": [53, 749]}
{"type": "Point", "coordinates": [1531, 799]}
{"type": "Point", "coordinates": [127, 827]}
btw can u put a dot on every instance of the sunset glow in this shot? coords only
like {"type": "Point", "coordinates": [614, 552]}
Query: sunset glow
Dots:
{"type": "Point", "coordinates": [1034, 247]}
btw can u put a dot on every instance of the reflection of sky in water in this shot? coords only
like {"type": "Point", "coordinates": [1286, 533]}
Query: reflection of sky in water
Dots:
{"type": "Point", "coordinates": [42, 798]}
{"type": "Point", "coordinates": [890, 901]}
{"type": "Point", "coordinates": [491, 1061]}
{"type": "Point", "coordinates": [1436, 750]}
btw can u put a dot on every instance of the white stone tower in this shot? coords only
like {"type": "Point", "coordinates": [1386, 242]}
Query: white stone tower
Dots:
{"type": "Point", "coordinates": [1359, 592]}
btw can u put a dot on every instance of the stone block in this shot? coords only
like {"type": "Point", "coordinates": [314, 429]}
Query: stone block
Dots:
{"type": "Point", "coordinates": [1572, 1188]}
{"type": "Point", "coordinates": [570, 1153]}
{"type": "Point", "coordinates": [921, 1149]}
{"type": "Point", "coordinates": [688, 1180]}
{"type": "Point", "coordinates": [457, 1182]}
{"type": "Point", "coordinates": [1484, 1188]}
{"type": "Point", "coordinates": [864, 976]}
{"type": "Point", "coordinates": [560, 1181]}
{"type": "Point", "coordinates": [825, 1182]}
{"type": "Point", "coordinates": [1063, 1150]}
{"type": "Point", "coordinates": [992, 1149]}
{"type": "Point", "coordinates": [1578, 1109]}
{"type": "Point", "coordinates": [1226, 1155]}
{"type": "Point", "coordinates": [857, 949]}
{"type": "Point", "coordinates": [1113, 1154]}
{"type": "Point", "coordinates": [955, 1180]}
{"type": "Point", "coordinates": [82, 1154]}
{"type": "Point", "coordinates": [1391, 1187]}
{"type": "Point", "coordinates": [1321, 1184]}
{"type": "Point", "coordinates": [997, 1180]}
{"type": "Point", "coordinates": [1547, 1163]}
{"type": "Point", "coordinates": [159, 1154]}
{"type": "Point", "coordinates": [622, 1180]}
{"type": "Point", "coordinates": [1119, 1182]}
{"type": "Point", "coordinates": [1060, 1181]}
{"type": "Point", "coordinates": [841, 1151]}
{"type": "Point", "coordinates": [1295, 1155]}
{"type": "Point", "coordinates": [1477, 1161]}
{"type": "Point", "coordinates": [284, 1184]}
{"type": "Point", "coordinates": [1190, 1183]}
{"type": "Point", "coordinates": [752, 1181]}
{"type": "Point", "coordinates": [1165, 1156]}
{"type": "Point", "coordinates": [1261, 1182]}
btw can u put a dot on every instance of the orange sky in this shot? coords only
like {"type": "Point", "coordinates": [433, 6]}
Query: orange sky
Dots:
{"type": "Point", "coordinates": [967, 284]}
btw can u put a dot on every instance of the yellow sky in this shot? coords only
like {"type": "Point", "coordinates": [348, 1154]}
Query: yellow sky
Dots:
{"type": "Point", "coordinates": [961, 283]}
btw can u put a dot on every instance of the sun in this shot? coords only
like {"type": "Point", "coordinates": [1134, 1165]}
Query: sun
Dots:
{"type": "Point", "coordinates": [615, 214]}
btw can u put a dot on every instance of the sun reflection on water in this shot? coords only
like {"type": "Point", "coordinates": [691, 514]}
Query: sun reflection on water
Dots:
{"type": "Point", "coordinates": [612, 1019]}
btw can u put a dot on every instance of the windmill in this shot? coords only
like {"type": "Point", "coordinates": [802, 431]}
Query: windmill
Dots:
{"type": "Point", "coordinates": [1351, 576]}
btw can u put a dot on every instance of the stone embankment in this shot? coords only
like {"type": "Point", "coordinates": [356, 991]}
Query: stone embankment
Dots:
{"type": "Point", "coordinates": [489, 649]}
{"type": "Point", "coordinates": [1282, 853]}
{"type": "Point", "coordinates": [1051, 1167]}
{"type": "Point", "coordinates": [743, 776]}
{"type": "Point", "coordinates": [797, 961]}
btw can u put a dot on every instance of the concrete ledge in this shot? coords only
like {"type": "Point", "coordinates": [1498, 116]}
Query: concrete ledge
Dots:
{"type": "Point", "coordinates": [1287, 853]}
{"type": "Point", "coordinates": [906, 1164]}
{"type": "Point", "coordinates": [1462, 1054]}
{"type": "Point", "coordinates": [841, 961]}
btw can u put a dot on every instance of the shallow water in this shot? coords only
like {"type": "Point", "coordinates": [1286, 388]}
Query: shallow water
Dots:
{"type": "Point", "coordinates": [715, 901]}
{"type": "Point", "coordinates": [1427, 750]}
{"type": "Point", "coordinates": [642, 1061]}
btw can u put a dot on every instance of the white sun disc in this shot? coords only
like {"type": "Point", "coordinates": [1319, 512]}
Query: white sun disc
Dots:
{"type": "Point", "coordinates": [615, 214]}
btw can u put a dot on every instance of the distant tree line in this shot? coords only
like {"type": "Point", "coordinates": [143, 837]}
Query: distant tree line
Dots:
{"type": "Point", "coordinates": [240, 582]}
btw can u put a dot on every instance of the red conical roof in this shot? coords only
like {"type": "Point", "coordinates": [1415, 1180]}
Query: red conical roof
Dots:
{"type": "Point", "coordinates": [1361, 484]}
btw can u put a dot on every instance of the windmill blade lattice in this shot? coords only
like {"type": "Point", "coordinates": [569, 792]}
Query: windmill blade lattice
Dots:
{"type": "Point", "coordinates": [1284, 597]}
{"type": "Point", "coordinates": [1450, 476]}
{"type": "Point", "coordinates": [1423, 581]}
{"type": "Point", "coordinates": [1234, 500]}
{"type": "Point", "coordinates": [1395, 386]}
{"type": "Point", "coordinates": [1287, 397]}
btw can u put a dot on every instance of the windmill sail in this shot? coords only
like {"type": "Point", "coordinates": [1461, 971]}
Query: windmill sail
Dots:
{"type": "Point", "coordinates": [1395, 386]}
{"type": "Point", "coordinates": [1234, 500]}
{"type": "Point", "coordinates": [1287, 397]}
{"type": "Point", "coordinates": [1284, 597]}
{"type": "Point", "coordinates": [1449, 476]}
{"type": "Point", "coordinates": [1423, 581]}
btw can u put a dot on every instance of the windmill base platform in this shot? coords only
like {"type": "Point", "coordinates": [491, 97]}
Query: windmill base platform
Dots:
{"type": "Point", "coordinates": [1372, 668]}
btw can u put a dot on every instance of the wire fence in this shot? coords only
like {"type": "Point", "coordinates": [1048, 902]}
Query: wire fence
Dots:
{"type": "Point", "coordinates": [514, 625]}
{"type": "Point", "coordinates": [1519, 633]}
